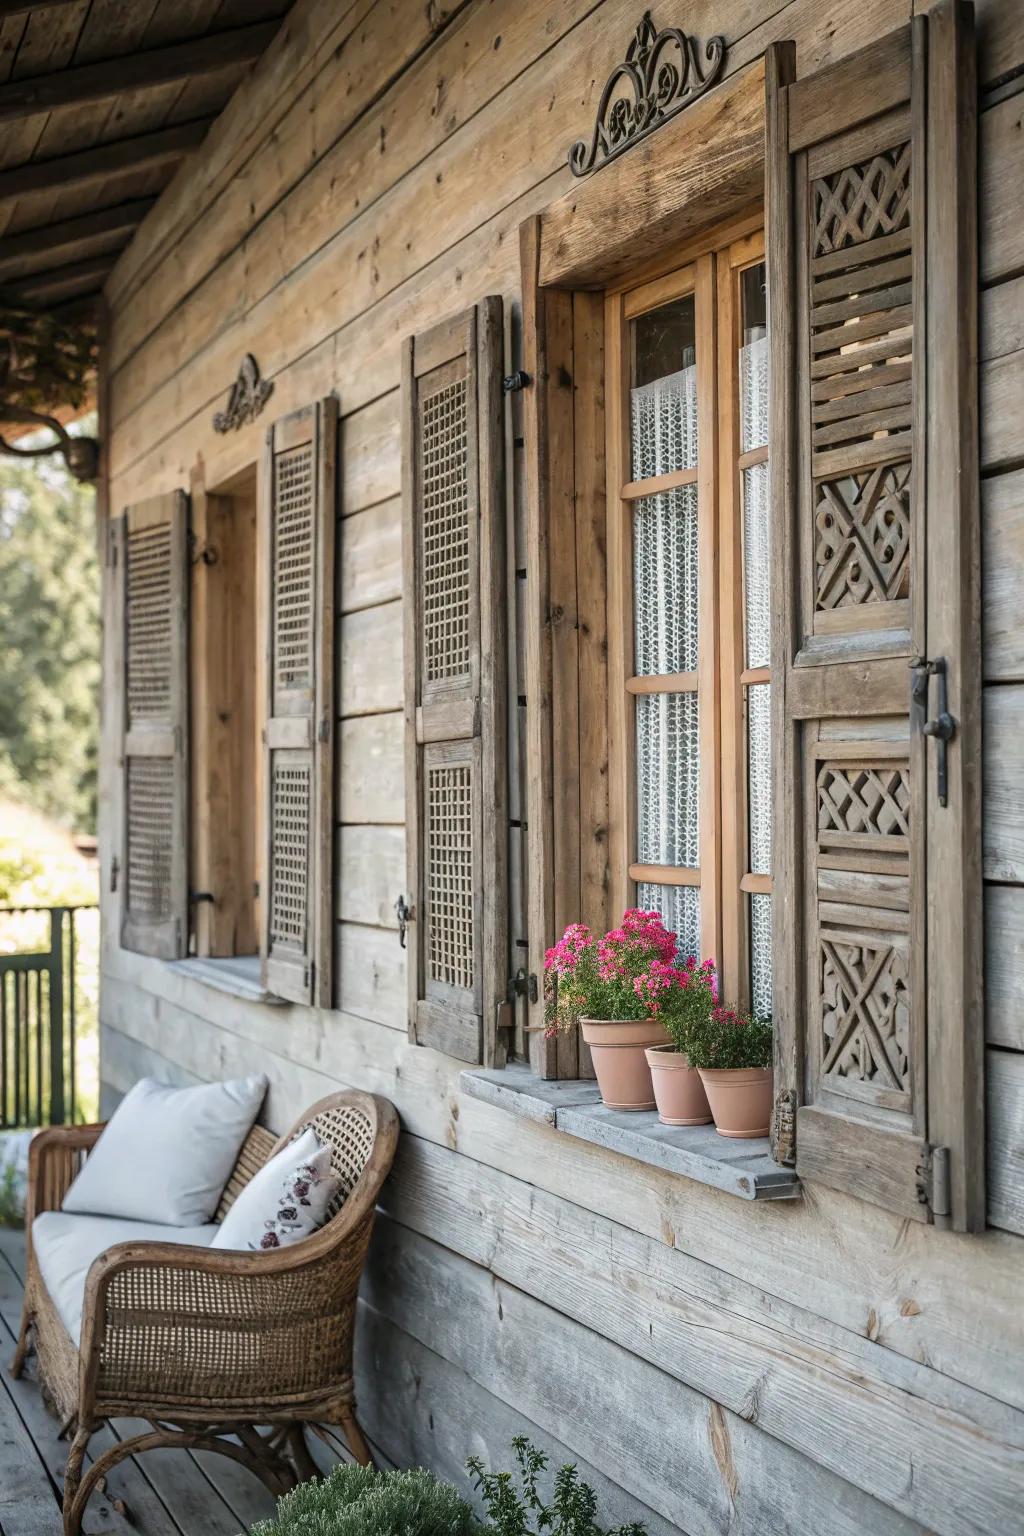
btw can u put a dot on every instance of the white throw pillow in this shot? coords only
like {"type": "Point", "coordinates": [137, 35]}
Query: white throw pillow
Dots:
{"type": "Point", "coordinates": [285, 1202]}
{"type": "Point", "coordinates": [167, 1153]}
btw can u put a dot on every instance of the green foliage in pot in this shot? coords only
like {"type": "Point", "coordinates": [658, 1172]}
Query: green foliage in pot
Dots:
{"type": "Point", "coordinates": [523, 1512]}
{"type": "Point", "coordinates": [723, 1038]}
{"type": "Point", "coordinates": [359, 1501]}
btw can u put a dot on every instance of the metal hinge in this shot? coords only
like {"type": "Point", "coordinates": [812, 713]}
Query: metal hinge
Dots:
{"type": "Point", "coordinates": [933, 1186]}
{"type": "Point", "coordinates": [521, 985]}
{"type": "Point", "coordinates": [115, 870]}
{"type": "Point", "coordinates": [112, 545]}
{"type": "Point", "coordinates": [513, 382]}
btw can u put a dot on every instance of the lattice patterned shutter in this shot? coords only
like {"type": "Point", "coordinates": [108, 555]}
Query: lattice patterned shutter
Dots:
{"type": "Point", "coordinates": [299, 506]}
{"type": "Point", "coordinates": [456, 772]}
{"type": "Point", "coordinates": [149, 548]}
{"type": "Point", "coordinates": [871, 239]}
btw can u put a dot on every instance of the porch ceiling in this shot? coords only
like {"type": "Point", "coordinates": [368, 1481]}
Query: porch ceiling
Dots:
{"type": "Point", "coordinates": [99, 103]}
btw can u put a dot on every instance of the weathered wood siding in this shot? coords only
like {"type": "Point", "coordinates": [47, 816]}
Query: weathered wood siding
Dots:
{"type": "Point", "coordinates": [797, 1367]}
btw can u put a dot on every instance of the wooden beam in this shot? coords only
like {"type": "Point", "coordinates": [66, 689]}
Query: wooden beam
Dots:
{"type": "Point", "coordinates": [26, 7]}
{"type": "Point", "coordinates": [134, 72]}
{"type": "Point", "coordinates": [47, 240]}
{"type": "Point", "coordinates": [89, 165]}
{"type": "Point", "coordinates": [60, 282]}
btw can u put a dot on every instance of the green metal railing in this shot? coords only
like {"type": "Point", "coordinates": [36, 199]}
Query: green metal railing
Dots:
{"type": "Point", "coordinates": [39, 1014]}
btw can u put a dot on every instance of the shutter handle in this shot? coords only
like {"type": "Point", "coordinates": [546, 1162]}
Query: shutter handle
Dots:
{"type": "Point", "coordinates": [405, 915]}
{"type": "Point", "coordinates": [943, 728]}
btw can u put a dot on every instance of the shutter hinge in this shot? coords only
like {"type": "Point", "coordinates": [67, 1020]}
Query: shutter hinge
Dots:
{"type": "Point", "coordinates": [112, 546]}
{"type": "Point", "coordinates": [933, 1186]}
{"type": "Point", "coordinates": [513, 382]}
{"type": "Point", "coordinates": [324, 733]}
{"type": "Point", "coordinates": [115, 870]}
{"type": "Point", "coordinates": [521, 985]}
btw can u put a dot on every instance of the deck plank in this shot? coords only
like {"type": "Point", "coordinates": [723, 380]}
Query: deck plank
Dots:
{"type": "Point", "coordinates": [27, 1500]}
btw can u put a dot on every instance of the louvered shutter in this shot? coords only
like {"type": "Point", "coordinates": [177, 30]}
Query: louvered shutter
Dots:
{"type": "Point", "coordinates": [298, 503]}
{"type": "Point", "coordinates": [151, 571]}
{"type": "Point", "coordinates": [455, 668]}
{"type": "Point", "coordinates": [871, 240]}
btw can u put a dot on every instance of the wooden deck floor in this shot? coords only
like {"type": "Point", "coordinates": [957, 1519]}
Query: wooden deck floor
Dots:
{"type": "Point", "coordinates": [165, 1493]}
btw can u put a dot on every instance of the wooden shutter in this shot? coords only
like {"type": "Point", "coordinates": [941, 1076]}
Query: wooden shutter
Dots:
{"type": "Point", "coordinates": [151, 565]}
{"type": "Point", "coordinates": [455, 670]}
{"type": "Point", "coordinates": [298, 508]}
{"type": "Point", "coordinates": [872, 283]}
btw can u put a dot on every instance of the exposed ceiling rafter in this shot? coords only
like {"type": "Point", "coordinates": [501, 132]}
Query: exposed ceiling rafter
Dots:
{"type": "Point", "coordinates": [83, 83]}
{"type": "Point", "coordinates": [40, 246]}
{"type": "Point", "coordinates": [103, 160]}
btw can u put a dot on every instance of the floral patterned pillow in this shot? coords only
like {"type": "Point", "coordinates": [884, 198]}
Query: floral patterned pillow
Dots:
{"type": "Point", "coordinates": [286, 1201]}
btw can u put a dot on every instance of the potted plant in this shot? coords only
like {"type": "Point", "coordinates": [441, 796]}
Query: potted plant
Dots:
{"type": "Point", "coordinates": [733, 1052]}
{"type": "Point", "coordinates": [683, 999]}
{"type": "Point", "coordinates": [605, 985]}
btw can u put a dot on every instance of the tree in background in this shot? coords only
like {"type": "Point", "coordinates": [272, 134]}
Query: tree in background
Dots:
{"type": "Point", "coordinates": [49, 639]}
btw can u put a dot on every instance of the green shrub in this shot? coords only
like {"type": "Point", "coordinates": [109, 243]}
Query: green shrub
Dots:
{"type": "Point", "coordinates": [358, 1501]}
{"type": "Point", "coordinates": [571, 1512]}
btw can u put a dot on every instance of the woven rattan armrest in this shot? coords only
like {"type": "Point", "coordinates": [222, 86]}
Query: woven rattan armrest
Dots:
{"type": "Point", "coordinates": [54, 1157]}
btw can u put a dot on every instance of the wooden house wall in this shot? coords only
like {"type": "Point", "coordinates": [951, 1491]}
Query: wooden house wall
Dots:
{"type": "Point", "coordinates": [799, 1367]}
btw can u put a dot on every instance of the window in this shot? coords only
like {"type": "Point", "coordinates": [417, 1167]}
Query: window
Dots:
{"type": "Point", "coordinates": [688, 574]}
{"type": "Point", "coordinates": [226, 624]}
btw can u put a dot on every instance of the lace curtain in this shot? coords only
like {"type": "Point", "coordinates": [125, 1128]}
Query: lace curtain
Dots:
{"type": "Point", "coordinates": [756, 584]}
{"type": "Point", "coordinates": [664, 439]}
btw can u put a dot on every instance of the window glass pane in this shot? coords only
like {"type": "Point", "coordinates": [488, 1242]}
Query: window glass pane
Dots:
{"type": "Point", "coordinates": [679, 906]}
{"type": "Point", "coordinates": [761, 956]}
{"type": "Point", "coordinates": [665, 582]}
{"type": "Point", "coordinates": [759, 781]}
{"type": "Point", "coordinates": [756, 595]}
{"type": "Point", "coordinates": [667, 779]}
{"type": "Point", "coordinates": [753, 360]}
{"type": "Point", "coordinates": [663, 399]}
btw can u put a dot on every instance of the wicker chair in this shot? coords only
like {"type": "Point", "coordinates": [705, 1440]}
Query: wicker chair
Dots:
{"type": "Point", "coordinates": [208, 1345]}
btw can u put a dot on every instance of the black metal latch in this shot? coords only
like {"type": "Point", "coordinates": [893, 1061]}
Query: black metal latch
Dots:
{"type": "Point", "coordinates": [405, 915]}
{"type": "Point", "coordinates": [513, 382]}
{"type": "Point", "coordinates": [943, 727]}
{"type": "Point", "coordinates": [521, 985]}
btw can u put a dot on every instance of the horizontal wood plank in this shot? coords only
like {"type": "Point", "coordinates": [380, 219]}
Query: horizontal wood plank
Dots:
{"type": "Point", "coordinates": [370, 660]}
{"type": "Point", "coordinates": [370, 766]}
{"type": "Point", "coordinates": [1002, 530]}
{"type": "Point", "coordinates": [1004, 1098]}
{"type": "Point", "coordinates": [371, 865]}
{"type": "Point", "coordinates": [1004, 966]}
{"type": "Point", "coordinates": [1003, 767]}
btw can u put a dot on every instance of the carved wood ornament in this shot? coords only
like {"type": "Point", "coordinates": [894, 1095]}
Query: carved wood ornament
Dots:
{"type": "Point", "coordinates": [249, 394]}
{"type": "Point", "coordinates": [661, 74]}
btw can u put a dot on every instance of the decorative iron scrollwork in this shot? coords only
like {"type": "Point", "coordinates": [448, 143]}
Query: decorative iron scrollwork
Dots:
{"type": "Point", "coordinates": [661, 74]}
{"type": "Point", "coordinates": [249, 394]}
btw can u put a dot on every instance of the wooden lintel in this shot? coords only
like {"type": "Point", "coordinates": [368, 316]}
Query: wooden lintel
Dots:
{"type": "Point", "coordinates": [136, 72]}
{"type": "Point", "coordinates": [47, 241]}
{"type": "Point", "coordinates": [143, 152]}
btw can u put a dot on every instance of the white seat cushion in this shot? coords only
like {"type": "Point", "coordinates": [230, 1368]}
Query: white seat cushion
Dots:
{"type": "Point", "coordinates": [167, 1153]}
{"type": "Point", "coordinates": [65, 1246]}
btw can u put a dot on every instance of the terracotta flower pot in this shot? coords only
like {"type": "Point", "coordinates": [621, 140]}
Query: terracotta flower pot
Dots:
{"type": "Point", "coordinates": [618, 1047]}
{"type": "Point", "coordinates": [740, 1099]}
{"type": "Point", "coordinates": [678, 1089]}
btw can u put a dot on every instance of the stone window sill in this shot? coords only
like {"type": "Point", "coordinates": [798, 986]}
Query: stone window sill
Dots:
{"type": "Point", "coordinates": [239, 976]}
{"type": "Point", "coordinates": [742, 1168]}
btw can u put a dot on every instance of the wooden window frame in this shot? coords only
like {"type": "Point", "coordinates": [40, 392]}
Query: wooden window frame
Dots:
{"type": "Point", "coordinates": [721, 680]}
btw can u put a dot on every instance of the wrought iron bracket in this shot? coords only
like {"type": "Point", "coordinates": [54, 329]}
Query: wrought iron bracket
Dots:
{"type": "Point", "coordinates": [660, 75]}
{"type": "Point", "coordinates": [249, 394]}
{"type": "Point", "coordinates": [942, 728]}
